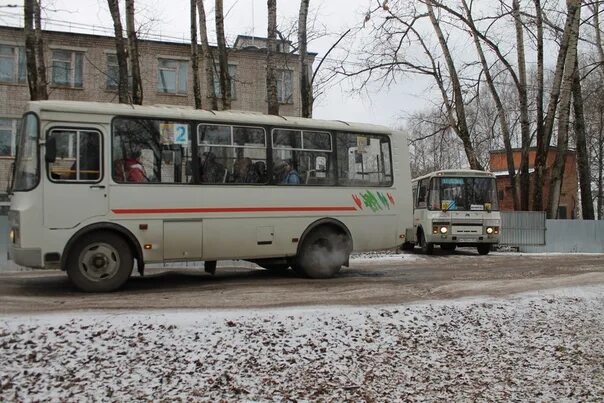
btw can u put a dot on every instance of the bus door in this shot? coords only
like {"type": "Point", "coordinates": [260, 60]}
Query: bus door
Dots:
{"type": "Point", "coordinates": [75, 188]}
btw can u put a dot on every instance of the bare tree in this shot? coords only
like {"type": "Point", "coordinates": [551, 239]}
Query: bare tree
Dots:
{"type": "Point", "coordinates": [523, 103]}
{"type": "Point", "coordinates": [137, 81]}
{"type": "Point", "coordinates": [600, 138]}
{"type": "Point", "coordinates": [460, 114]}
{"type": "Point", "coordinates": [34, 51]}
{"type": "Point", "coordinates": [271, 49]}
{"type": "Point", "coordinates": [194, 55]}
{"type": "Point", "coordinates": [574, 13]}
{"type": "Point", "coordinates": [208, 57]}
{"type": "Point", "coordinates": [223, 60]}
{"type": "Point", "coordinates": [122, 56]}
{"type": "Point", "coordinates": [543, 141]}
{"type": "Point", "coordinates": [587, 205]}
{"type": "Point", "coordinates": [501, 113]}
{"type": "Point", "coordinates": [306, 93]}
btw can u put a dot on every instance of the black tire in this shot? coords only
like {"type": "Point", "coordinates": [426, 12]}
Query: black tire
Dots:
{"type": "Point", "coordinates": [484, 249]}
{"type": "Point", "coordinates": [448, 246]}
{"type": "Point", "coordinates": [322, 253]}
{"type": "Point", "coordinates": [408, 246]}
{"type": "Point", "coordinates": [99, 262]}
{"type": "Point", "coordinates": [427, 247]}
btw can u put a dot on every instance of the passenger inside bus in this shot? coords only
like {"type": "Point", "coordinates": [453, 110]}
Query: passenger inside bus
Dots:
{"type": "Point", "coordinates": [131, 169]}
{"type": "Point", "coordinates": [286, 174]}
{"type": "Point", "coordinates": [243, 171]}
{"type": "Point", "coordinates": [259, 168]}
{"type": "Point", "coordinates": [211, 170]}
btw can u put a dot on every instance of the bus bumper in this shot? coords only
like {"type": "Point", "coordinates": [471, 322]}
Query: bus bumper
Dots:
{"type": "Point", "coordinates": [28, 257]}
{"type": "Point", "coordinates": [463, 240]}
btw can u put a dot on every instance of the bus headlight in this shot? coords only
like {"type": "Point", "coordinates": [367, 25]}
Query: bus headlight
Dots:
{"type": "Point", "coordinates": [444, 230]}
{"type": "Point", "coordinates": [14, 224]}
{"type": "Point", "coordinates": [492, 230]}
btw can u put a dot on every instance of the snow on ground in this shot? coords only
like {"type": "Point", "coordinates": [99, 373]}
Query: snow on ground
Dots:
{"type": "Point", "coordinates": [541, 346]}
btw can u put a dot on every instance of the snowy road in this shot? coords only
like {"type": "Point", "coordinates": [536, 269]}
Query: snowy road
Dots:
{"type": "Point", "coordinates": [545, 346]}
{"type": "Point", "coordinates": [390, 328]}
{"type": "Point", "coordinates": [371, 279]}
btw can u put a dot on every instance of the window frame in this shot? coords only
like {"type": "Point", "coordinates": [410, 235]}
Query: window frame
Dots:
{"type": "Point", "coordinates": [19, 76]}
{"type": "Point", "coordinates": [71, 71]}
{"type": "Point", "coordinates": [280, 73]}
{"type": "Point", "coordinates": [14, 129]}
{"type": "Point", "coordinates": [78, 129]}
{"type": "Point", "coordinates": [216, 80]}
{"type": "Point", "coordinates": [179, 62]}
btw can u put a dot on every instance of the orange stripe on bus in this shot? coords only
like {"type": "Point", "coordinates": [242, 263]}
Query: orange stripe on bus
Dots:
{"type": "Point", "coordinates": [230, 210]}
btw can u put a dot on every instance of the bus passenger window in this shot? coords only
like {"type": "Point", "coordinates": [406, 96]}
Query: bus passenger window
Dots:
{"type": "Point", "coordinates": [78, 156]}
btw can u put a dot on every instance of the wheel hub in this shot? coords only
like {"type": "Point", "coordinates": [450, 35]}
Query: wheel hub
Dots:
{"type": "Point", "coordinates": [99, 261]}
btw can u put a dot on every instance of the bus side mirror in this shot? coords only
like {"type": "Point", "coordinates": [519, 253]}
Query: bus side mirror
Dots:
{"type": "Point", "coordinates": [51, 150]}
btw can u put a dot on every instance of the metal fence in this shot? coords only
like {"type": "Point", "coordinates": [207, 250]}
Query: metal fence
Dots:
{"type": "Point", "coordinates": [522, 228]}
{"type": "Point", "coordinates": [531, 232]}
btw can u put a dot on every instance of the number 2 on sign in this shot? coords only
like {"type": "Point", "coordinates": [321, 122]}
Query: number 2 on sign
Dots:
{"type": "Point", "coordinates": [181, 135]}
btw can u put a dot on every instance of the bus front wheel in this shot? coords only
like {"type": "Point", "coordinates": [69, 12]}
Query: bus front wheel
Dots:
{"type": "Point", "coordinates": [322, 253]}
{"type": "Point", "coordinates": [99, 262]}
{"type": "Point", "coordinates": [484, 249]}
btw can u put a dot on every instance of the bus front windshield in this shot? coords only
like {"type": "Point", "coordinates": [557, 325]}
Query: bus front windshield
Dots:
{"type": "Point", "coordinates": [26, 165]}
{"type": "Point", "coordinates": [463, 194]}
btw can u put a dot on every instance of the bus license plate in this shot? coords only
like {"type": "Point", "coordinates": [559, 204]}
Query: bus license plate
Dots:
{"type": "Point", "coordinates": [467, 240]}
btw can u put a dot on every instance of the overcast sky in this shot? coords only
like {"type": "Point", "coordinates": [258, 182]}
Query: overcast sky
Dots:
{"type": "Point", "coordinates": [379, 105]}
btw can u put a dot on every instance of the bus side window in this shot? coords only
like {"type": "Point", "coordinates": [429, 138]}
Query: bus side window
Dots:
{"type": "Point", "coordinates": [77, 155]}
{"type": "Point", "coordinates": [422, 194]}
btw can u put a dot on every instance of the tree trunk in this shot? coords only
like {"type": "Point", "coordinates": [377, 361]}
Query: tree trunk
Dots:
{"type": "Point", "coordinates": [137, 80]}
{"type": "Point", "coordinates": [525, 128]}
{"type": "Point", "coordinates": [574, 12]}
{"type": "Point", "coordinates": [208, 57]}
{"type": "Point", "coordinates": [223, 61]}
{"type": "Point", "coordinates": [543, 143]}
{"type": "Point", "coordinates": [587, 205]}
{"type": "Point", "coordinates": [194, 55]}
{"type": "Point", "coordinates": [305, 84]}
{"type": "Point", "coordinates": [459, 107]}
{"type": "Point", "coordinates": [120, 48]}
{"type": "Point", "coordinates": [601, 169]}
{"type": "Point", "coordinates": [42, 82]}
{"type": "Point", "coordinates": [501, 115]}
{"type": "Point", "coordinates": [271, 79]}
{"type": "Point", "coordinates": [538, 188]}
{"type": "Point", "coordinates": [600, 48]}
{"type": "Point", "coordinates": [34, 51]}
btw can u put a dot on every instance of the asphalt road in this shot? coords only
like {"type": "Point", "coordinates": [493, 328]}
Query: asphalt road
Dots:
{"type": "Point", "coordinates": [397, 279]}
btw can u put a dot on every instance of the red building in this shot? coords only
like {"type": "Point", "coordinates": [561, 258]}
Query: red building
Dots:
{"type": "Point", "coordinates": [568, 197]}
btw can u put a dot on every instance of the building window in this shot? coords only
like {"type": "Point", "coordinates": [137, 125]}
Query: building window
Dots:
{"type": "Point", "coordinates": [232, 74]}
{"type": "Point", "coordinates": [67, 68]}
{"type": "Point", "coordinates": [8, 136]}
{"type": "Point", "coordinates": [285, 86]}
{"type": "Point", "coordinates": [172, 76]}
{"type": "Point", "coordinates": [113, 72]}
{"type": "Point", "coordinates": [12, 64]}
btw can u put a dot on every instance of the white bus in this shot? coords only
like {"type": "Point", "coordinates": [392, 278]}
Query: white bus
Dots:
{"type": "Point", "coordinates": [99, 188]}
{"type": "Point", "coordinates": [455, 208]}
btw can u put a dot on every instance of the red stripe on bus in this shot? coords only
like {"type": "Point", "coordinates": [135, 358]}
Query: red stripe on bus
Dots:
{"type": "Point", "coordinates": [230, 210]}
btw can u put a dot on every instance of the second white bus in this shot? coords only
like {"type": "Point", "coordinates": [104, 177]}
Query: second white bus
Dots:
{"type": "Point", "coordinates": [455, 208]}
{"type": "Point", "coordinates": [99, 188]}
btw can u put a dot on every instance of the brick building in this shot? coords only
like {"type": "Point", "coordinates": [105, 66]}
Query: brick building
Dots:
{"type": "Point", "coordinates": [568, 198]}
{"type": "Point", "coordinates": [83, 67]}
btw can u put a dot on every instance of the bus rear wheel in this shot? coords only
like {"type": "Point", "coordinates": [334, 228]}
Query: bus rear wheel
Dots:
{"type": "Point", "coordinates": [323, 253]}
{"type": "Point", "coordinates": [484, 249]}
{"type": "Point", "coordinates": [99, 262]}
